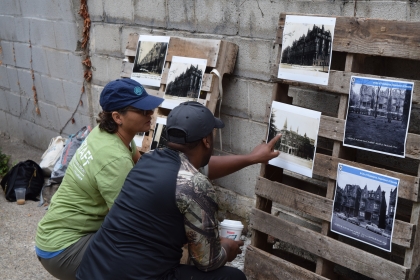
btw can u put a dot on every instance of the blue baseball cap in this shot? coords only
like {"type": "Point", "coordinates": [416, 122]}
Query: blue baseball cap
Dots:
{"type": "Point", "coordinates": [121, 93]}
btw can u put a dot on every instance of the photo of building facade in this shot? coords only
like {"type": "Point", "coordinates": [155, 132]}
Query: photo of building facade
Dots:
{"type": "Point", "coordinates": [153, 61]}
{"type": "Point", "coordinates": [187, 84]}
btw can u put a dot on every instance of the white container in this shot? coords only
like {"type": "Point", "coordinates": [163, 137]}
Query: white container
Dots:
{"type": "Point", "coordinates": [231, 229]}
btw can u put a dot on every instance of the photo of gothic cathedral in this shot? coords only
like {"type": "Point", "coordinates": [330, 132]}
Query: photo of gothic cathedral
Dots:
{"type": "Point", "coordinates": [307, 49]}
{"type": "Point", "coordinates": [365, 205]}
{"type": "Point", "coordinates": [299, 130]}
{"type": "Point", "coordinates": [378, 115]}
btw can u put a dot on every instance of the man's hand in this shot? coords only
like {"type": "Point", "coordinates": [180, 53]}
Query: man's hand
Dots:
{"type": "Point", "coordinates": [231, 247]}
{"type": "Point", "coordinates": [265, 151]}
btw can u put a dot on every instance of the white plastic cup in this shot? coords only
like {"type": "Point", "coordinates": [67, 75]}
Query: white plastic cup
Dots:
{"type": "Point", "coordinates": [231, 229]}
{"type": "Point", "coordinates": [20, 195]}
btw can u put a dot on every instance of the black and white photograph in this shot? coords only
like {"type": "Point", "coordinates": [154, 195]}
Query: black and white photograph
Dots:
{"type": "Point", "coordinates": [184, 80]}
{"type": "Point", "coordinates": [159, 137]}
{"type": "Point", "coordinates": [364, 206]}
{"type": "Point", "coordinates": [138, 139]}
{"type": "Point", "coordinates": [150, 59]}
{"type": "Point", "coordinates": [378, 115]}
{"type": "Point", "coordinates": [299, 130]}
{"type": "Point", "coordinates": [307, 49]}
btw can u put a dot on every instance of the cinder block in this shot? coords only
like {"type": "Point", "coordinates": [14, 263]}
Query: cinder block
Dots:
{"type": "Point", "coordinates": [96, 10]}
{"type": "Point", "coordinates": [37, 135]}
{"type": "Point", "coordinates": [150, 15]}
{"type": "Point", "coordinates": [235, 100]}
{"type": "Point", "coordinates": [72, 94]}
{"type": "Point", "coordinates": [413, 11]}
{"type": "Point", "coordinates": [114, 68]}
{"type": "Point", "coordinates": [3, 104]}
{"type": "Point", "coordinates": [48, 9]}
{"type": "Point", "coordinates": [53, 91]}
{"type": "Point", "coordinates": [76, 68]}
{"type": "Point", "coordinates": [71, 128]}
{"type": "Point", "coordinates": [56, 61]}
{"type": "Point", "coordinates": [4, 79]}
{"type": "Point", "coordinates": [241, 129]}
{"type": "Point", "coordinates": [23, 55]}
{"type": "Point", "coordinates": [14, 126]}
{"type": "Point", "coordinates": [254, 58]}
{"type": "Point", "coordinates": [49, 117]}
{"type": "Point", "coordinates": [99, 70]}
{"type": "Point", "coordinates": [42, 33]}
{"type": "Point", "coordinates": [226, 135]}
{"type": "Point", "coordinates": [10, 7]}
{"type": "Point", "coordinates": [327, 8]}
{"type": "Point", "coordinates": [217, 17]}
{"type": "Point", "coordinates": [39, 60]}
{"type": "Point", "coordinates": [3, 121]}
{"type": "Point", "coordinates": [66, 36]}
{"type": "Point", "coordinates": [7, 30]}
{"type": "Point", "coordinates": [119, 11]}
{"type": "Point", "coordinates": [38, 87]}
{"type": "Point", "coordinates": [106, 39]}
{"type": "Point", "coordinates": [390, 10]}
{"type": "Point", "coordinates": [25, 82]}
{"type": "Point", "coordinates": [21, 30]}
{"type": "Point", "coordinates": [181, 15]}
{"type": "Point", "coordinates": [27, 109]}
{"type": "Point", "coordinates": [127, 30]}
{"type": "Point", "coordinates": [13, 103]}
{"type": "Point", "coordinates": [13, 79]}
{"type": "Point", "coordinates": [260, 95]}
{"type": "Point", "coordinates": [318, 101]}
{"type": "Point", "coordinates": [8, 53]}
{"type": "Point", "coordinates": [96, 93]}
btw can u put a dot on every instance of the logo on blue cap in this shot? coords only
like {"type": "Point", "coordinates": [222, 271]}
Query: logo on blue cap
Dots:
{"type": "Point", "coordinates": [138, 90]}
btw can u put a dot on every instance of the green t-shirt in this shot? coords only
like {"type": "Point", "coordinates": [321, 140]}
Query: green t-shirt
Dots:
{"type": "Point", "coordinates": [92, 182]}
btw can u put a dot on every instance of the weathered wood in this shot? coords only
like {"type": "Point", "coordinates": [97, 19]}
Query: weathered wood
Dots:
{"type": "Point", "coordinates": [196, 48]}
{"type": "Point", "coordinates": [328, 248]}
{"type": "Point", "coordinates": [371, 36]}
{"type": "Point", "coordinates": [262, 265]}
{"type": "Point", "coordinates": [327, 166]}
{"type": "Point", "coordinates": [131, 47]}
{"type": "Point", "coordinates": [339, 82]}
{"type": "Point", "coordinates": [320, 207]}
{"type": "Point", "coordinates": [259, 239]}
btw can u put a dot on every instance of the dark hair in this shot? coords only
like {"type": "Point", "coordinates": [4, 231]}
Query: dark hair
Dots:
{"type": "Point", "coordinates": [106, 121]}
{"type": "Point", "coordinates": [181, 134]}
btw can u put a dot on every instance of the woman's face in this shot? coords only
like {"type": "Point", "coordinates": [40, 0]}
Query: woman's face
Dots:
{"type": "Point", "coordinates": [135, 120]}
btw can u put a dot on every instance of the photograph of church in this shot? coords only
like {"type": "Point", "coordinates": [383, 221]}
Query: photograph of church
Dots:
{"type": "Point", "coordinates": [299, 130]}
{"type": "Point", "coordinates": [307, 49]}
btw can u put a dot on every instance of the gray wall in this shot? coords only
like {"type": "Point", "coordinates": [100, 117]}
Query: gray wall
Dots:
{"type": "Point", "coordinates": [53, 28]}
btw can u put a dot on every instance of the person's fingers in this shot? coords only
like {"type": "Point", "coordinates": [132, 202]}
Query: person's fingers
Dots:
{"type": "Point", "coordinates": [239, 251]}
{"type": "Point", "coordinates": [274, 140]}
{"type": "Point", "coordinates": [240, 243]}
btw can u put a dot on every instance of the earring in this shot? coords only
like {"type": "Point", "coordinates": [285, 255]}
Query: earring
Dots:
{"type": "Point", "coordinates": [120, 124]}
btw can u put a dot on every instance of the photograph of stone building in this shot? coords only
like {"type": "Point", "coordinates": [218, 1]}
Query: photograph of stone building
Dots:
{"type": "Point", "coordinates": [299, 130]}
{"type": "Point", "coordinates": [150, 59]}
{"type": "Point", "coordinates": [378, 115]}
{"type": "Point", "coordinates": [364, 206]}
{"type": "Point", "coordinates": [307, 49]}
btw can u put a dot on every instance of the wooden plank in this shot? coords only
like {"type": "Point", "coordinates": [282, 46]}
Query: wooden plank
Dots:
{"type": "Point", "coordinates": [327, 166]}
{"type": "Point", "coordinates": [328, 248]}
{"type": "Point", "coordinates": [339, 82]}
{"type": "Point", "coordinates": [320, 207]}
{"type": "Point", "coordinates": [262, 265]}
{"type": "Point", "coordinates": [372, 36]}
{"type": "Point", "coordinates": [131, 47]}
{"type": "Point", "coordinates": [196, 48]}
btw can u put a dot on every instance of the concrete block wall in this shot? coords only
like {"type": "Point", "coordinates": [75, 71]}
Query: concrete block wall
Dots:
{"type": "Point", "coordinates": [39, 49]}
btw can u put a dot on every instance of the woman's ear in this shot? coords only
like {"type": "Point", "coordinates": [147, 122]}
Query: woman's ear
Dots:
{"type": "Point", "coordinates": [116, 117]}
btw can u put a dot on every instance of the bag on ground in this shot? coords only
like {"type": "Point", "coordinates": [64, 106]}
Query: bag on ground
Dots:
{"type": "Point", "coordinates": [52, 154]}
{"type": "Point", "coordinates": [26, 174]}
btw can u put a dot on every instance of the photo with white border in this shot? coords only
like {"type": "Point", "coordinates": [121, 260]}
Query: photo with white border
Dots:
{"type": "Point", "coordinates": [159, 136]}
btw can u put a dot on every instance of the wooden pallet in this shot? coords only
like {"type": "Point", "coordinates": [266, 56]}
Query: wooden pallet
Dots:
{"type": "Point", "coordinates": [220, 55]}
{"type": "Point", "coordinates": [357, 42]}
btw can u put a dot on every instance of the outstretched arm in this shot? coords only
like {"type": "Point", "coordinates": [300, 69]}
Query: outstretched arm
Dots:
{"type": "Point", "coordinates": [220, 166]}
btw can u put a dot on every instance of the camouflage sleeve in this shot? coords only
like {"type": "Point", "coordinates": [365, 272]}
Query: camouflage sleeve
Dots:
{"type": "Point", "coordinates": [196, 199]}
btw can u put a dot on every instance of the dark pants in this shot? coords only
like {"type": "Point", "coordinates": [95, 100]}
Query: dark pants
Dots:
{"type": "Point", "coordinates": [223, 273]}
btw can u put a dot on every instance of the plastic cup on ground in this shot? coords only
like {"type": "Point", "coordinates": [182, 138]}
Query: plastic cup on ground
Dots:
{"type": "Point", "coordinates": [20, 195]}
{"type": "Point", "coordinates": [231, 229]}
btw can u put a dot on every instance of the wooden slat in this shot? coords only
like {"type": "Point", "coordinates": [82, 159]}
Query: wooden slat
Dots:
{"type": "Point", "coordinates": [333, 128]}
{"type": "Point", "coordinates": [131, 47]}
{"type": "Point", "coordinates": [372, 36]}
{"type": "Point", "coordinates": [328, 248]}
{"type": "Point", "coordinates": [196, 48]}
{"type": "Point", "coordinates": [339, 82]}
{"type": "Point", "coordinates": [320, 207]}
{"type": "Point", "coordinates": [262, 265]}
{"type": "Point", "coordinates": [327, 166]}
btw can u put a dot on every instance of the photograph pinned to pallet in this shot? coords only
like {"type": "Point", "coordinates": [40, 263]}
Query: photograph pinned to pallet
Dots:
{"type": "Point", "coordinates": [299, 129]}
{"type": "Point", "coordinates": [378, 115]}
{"type": "Point", "coordinates": [364, 206]}
{"type": "Point", "coordinates": [307, 49]}
{"type": "Point", "coordinates": [150, 59]}
{"type": "Point", "coordinates": [138, 139]}
{"type": "Point", "coordinates": [159, 137]}
{"type": "Point", "coordinates": [184, 82]}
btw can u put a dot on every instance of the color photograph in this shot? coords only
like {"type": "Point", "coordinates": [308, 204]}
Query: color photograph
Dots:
{"type": "Point", "coordinates": [307, 49]}
{"type": "Point", "coordinates": [364, 206]}
{"type": "Point", "coordinates": [184, 81]}
{"type": "Point", "coordinates": [299, 130]}
{"type": "Point", "coordinates": [378, 115]}
{"type": "Point", "coordinates": [159, 137]}
{"type": "Point", "coordinates": [150, 60]}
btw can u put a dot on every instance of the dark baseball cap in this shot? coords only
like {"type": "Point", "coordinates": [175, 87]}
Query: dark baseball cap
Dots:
{"type": "Point", "coordinates": [192, 118]}
{"type": "Point", "coordinates": [121, 93]}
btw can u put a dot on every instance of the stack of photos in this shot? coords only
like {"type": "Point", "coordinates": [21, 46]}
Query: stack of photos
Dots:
{"type": "Point", "coordinates": [184, 81]}
{"type": "Point", "coordinates": [159, 137]}
{"type": "Point", "coordinates": [364, 206]}
{"type": "Point", "coordinates": [307, 49]}
{"type": "Point", "coordinates": [299, 130]}
{"type": "Point", "coordinates": [150, 59]}
{"type": "Point", "coordinates": [378, 115]}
